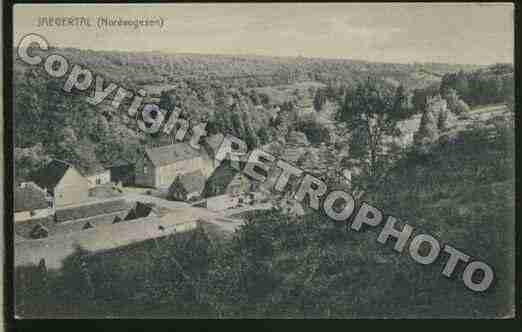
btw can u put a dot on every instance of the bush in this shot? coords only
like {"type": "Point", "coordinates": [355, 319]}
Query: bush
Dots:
{"type": "Point", "coordinates": [314, 131]}
{"type": "Point", "coordinates": [428, 131]}
{"type": "Point", "coordinates": [461, 107]}
{"type": "Point", "coordinates": [442, 120]}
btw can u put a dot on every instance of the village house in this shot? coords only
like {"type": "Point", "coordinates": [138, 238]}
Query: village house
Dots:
{"type": "Point", "coordinates": [226, 180]}
{"type": "Point", "coordinates": [98, 176]}
{"type": "Point", "coordinates": [63, 182]}
{"type": "Point", "coordinates": [212, 144]}
{"type": "Point", "coordinates": [161, 165]}
{"type": "Point", "coordinates": [296, 144]}
{"type": "Point", "coordinates": [31, 201]}
{"type": "Point", "coordinates": [122, 171]}
{"type": "Point", "coordinates": [187, 187]}
{"type": "Point", "coordinates": [226, 187]}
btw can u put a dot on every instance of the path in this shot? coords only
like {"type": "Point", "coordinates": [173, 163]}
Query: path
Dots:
{"type": "Point", "coordinates": [181, 210]}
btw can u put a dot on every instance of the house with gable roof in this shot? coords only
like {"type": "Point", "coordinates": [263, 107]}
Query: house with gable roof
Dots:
{"type": "Point", "coordinates": [188, 186]}
{"type": "Point", "coordinates": [98, 176]}
{"type": "Point", "coordinates": [63, 182]}
{"type": "Point", "coordinates": [160, 166]}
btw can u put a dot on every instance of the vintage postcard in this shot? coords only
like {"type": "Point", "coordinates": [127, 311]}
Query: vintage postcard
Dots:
{"type": "Point", "coordinates": [263, 160]}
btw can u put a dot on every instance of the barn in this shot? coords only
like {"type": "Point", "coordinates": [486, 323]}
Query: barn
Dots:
{"type": "Point", "coordinates": [63, 182]}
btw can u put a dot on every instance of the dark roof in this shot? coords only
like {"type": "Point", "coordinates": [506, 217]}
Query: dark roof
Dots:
{"type": "Point", "coordinates": [192, 182]}
{"type": "Point", "coordinates": [141, 210]}
{"type": "Point", "coordinates": [29, 197]}
{"type": "Point", "coordinates": [169, 154]}
{"type": "Point", "coordinates": [118, 163]}
{"type": "Point", "coordinates": [49, 176]}
{"type": "Point", "coordinates": [83, 169]}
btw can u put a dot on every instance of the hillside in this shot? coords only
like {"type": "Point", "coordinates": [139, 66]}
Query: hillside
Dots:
{"type": "Point", "coordinates": [239, 95]}
{"type": "Point", "coordinates": [156, 68]}
{"type": "Point", "coordinates": [281, 266]}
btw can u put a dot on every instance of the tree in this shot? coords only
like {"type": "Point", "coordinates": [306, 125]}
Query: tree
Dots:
{"type": "Point", "coordinates": [263, 135]}
{"type": "Point", "coordinates": [462, 85]}
{"type": "Point", "coordinates": [418, 100]}
{"type": "Point", "coordinates": [330, 92]}
{"type": "Point", "coordinates": [254, 96]}
{"type": "Point", "coordinates": [371, 111]}
{"type": "Point", "coordinates": [508, 91]}
{"type": "Point", "coordinates": [461, 107]}
{"type": "Point", "coordinates": [510, 103]}
{"type": "Point", "coordinates": [319, 100]}
{"type": "Point", "coordinates": [265, 99]}
{"type": "Point", "coordinates": [442, 120]}
{"type": "Point", "coordinates": [29, 160]}
{"type": "Point", "coordinates": [238, 127]}
{"type": "Point", "coordinates": [251, 138]}
{"type": "Point", "coordinates": [314, 131]}
{"type": "Point", "coordinates": [420, 97]}
{"type": "Point", "coordinates": [76, 276]}
{"type": "Point", "coordinates": [428, 131]}
{"type": "Point", "coordinates": [452, 99]}
{"type": "Point", "coordinates": [401, 101]}
{"type": "Point", "coordinates": [167, 100]}
{"type": "Point", "coordinates": [502, 68]}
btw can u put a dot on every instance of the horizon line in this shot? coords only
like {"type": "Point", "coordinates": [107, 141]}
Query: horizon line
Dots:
{"type": "Point", "coordinates": [167, 52]}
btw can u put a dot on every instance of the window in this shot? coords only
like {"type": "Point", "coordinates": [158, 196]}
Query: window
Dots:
{"type": "Point", "coordinates": [98, 181]}
{"type": "Point", "coordinates": [145, 170]}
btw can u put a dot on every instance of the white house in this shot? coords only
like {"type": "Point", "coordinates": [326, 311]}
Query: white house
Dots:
{"type": "Point", "coordinates": [160, 166]}
{"type": "Point", "coordinates": [98, 177]}
{"type": "Point", "coordinates": [63, 182]}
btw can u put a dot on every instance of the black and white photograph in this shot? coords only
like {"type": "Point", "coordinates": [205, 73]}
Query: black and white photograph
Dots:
{"type": "Point", "coordinates": [263, 160]}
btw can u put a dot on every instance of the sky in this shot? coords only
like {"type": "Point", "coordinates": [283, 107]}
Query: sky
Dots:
{"type": "Point", "coordinates": [464, 33]}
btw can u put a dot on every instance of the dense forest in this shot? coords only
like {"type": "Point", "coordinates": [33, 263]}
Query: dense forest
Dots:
{"type": "Point", "coordinates": [152, 68]}
{"type": "Point", "coordinates": [247, 96]}
{"type": "Point", "coordinates": [483, 86]}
